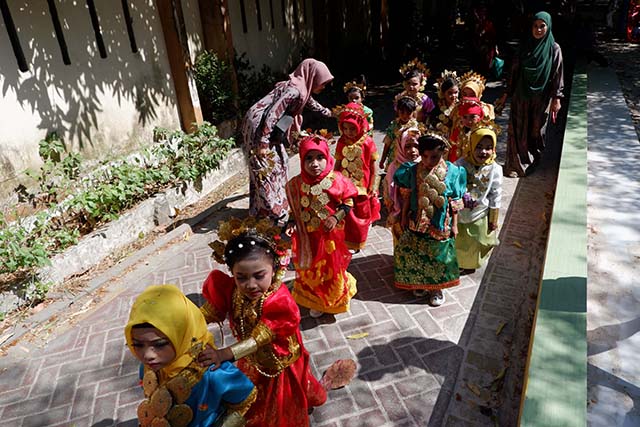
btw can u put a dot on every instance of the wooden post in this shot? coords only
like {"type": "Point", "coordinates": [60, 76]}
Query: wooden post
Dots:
{"type": "Point", "coordinates": [175, 38]}
{"type": "Point", "coordinates": [216, 30]}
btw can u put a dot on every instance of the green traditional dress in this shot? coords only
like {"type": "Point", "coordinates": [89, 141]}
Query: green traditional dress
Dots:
{"type": "Point", "coordinates": [425, 257]}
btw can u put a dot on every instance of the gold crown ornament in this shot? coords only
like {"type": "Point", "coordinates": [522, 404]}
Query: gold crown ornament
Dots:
{"type": "Point", "coordinates": [487, 124]}
{"type": "Point", "coordinates": [445, 75]}
{"type": "Point", "coordinates": [475, 81]}
{"type": "Point", "coordinates": [415, 64]}
{"type": "Point", "coordinates": [438, 135]}
{"type": "Point", "coordinates": [258, 230]}
{"type": "Point", "coordinates": [349, 85]}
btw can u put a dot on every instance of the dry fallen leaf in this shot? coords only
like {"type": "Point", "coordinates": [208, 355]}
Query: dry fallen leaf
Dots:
{"type": "Point", "coordinates": [500, 374]}
{"type": "Point", "coordinates": [474, 389]}
{"type": "Point", "coordinates": [358, 336]}
{"type": "Point", "coordinates": [500, 327]}
{"type": "Point", "coordinates": [517, 244]}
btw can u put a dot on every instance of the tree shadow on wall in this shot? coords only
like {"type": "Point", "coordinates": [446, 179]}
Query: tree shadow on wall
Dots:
{"type": "Point", "coordinates": [67, 98]}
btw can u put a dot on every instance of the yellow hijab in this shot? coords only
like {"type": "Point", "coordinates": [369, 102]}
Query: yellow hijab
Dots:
{"type": "Point", "coordinates": [474, 139]}
{"type": "Point", "coordinates": [170, 311]}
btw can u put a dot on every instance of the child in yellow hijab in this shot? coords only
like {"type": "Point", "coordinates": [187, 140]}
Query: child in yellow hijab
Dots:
{"type": "Point", "coordinates": [167, 332]}
{"type": "Point", "coordinates": [478, 221]}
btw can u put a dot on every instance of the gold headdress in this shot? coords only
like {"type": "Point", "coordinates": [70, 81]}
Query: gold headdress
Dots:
{"type": "Point", "coordinates": [349, 85]}
{"type": "Point", "coordinates": [445, 75]}
{"type": "Point", "coordinates": [415, 64]}
{"type": "Point", "coordinates": [473, 80]}
{"type": "Point", "coordinates": [438, 135]}
{"type": "Point", "coordinates": [260, 230]}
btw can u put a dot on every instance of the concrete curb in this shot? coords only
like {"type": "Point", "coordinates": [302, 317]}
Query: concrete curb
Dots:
{"type": "Point", "coordinates": [147, 215]}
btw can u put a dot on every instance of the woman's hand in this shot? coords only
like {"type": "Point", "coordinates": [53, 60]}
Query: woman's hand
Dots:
{"type": "Point", "coordinates": [555, 107]}
{"type": "Point", "coordinates": [499, 104]}
{"type": "Point", "coordinates": [492, 226]}
{"type": "Point", "coordinates": [330, 223]}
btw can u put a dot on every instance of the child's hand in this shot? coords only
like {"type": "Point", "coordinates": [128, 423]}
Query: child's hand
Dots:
{"type": "Point", "coordinates": [330, 223]}
{"type": "Point", "coordinates": [492, 226]}
{"type": "Point", "coordinates": [210, 357]}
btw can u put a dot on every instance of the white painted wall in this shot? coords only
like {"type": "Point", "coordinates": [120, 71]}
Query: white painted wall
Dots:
{"type": "Point", "coordinates": [101, 107]}
{"type": "Point", "coordinates": [276, 46]}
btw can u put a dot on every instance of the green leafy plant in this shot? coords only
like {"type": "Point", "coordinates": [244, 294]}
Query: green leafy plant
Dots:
{"type": "Point", "coordinates": [253, 84]}
{"type": "Point", "coordinates": [213, 80]}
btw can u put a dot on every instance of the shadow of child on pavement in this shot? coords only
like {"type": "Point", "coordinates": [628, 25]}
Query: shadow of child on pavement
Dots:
{"type": "Point", "coordinates": [419, 372]}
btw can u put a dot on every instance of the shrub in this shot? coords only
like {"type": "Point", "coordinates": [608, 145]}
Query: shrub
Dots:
{"type": "Point", "coordinates": [213, 80]}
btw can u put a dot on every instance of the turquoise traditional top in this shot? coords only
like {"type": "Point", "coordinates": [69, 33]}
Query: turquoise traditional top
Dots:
{"type": "Point", "coordinates": [225, 385]}
{"type": "Point", "coordinates": [455, 185]}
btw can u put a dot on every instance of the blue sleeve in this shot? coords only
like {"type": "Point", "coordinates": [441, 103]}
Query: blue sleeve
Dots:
{"type": "Point", "coordinates": [233, 386]}
{"type": "Point", "coordinates": [456, 181]}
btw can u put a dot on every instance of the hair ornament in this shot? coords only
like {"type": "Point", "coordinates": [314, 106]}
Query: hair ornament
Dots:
{"type": "Point", "coordinates": [353, 84]}
{"type": "Point", "coordinates": [259, 229]}
{"type": "Point", "coordinates": [415, 64]}
{"type": "Point", "coordinates": [446, 75]}
{"type": "Point", "coordinates": [439, 136]}
{"type": "Point", "coordinates": [487, 124]}
{"type": "Point", "coordinates": [474, 78]}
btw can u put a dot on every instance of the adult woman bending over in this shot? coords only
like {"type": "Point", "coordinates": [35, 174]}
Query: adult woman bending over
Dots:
{"type": "Point", "coordinates": [266, 129]}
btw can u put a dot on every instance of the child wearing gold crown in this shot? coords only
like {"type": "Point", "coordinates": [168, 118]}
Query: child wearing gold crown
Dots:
{"type": "Point", "coordinates": [442, 116]}
{"type": "Point", "coordinates": [478, 221]}
{"type": "Point", "coordinates": [431, 190]}
{"type": "Point", "coordinates": [414, 78]}
{"type": "Point", "coordinates": [356, 157]}
{"type": "Point", "coordinates": [472, 85]}
{"type": "Point", "coordinates": [167, 333]}
{"type": "Point", "coordinates": [356, 91]}
{"type": "Point", "coordinates": [320, 199]}
{"type": "Point", "coordinates": [265, 320]}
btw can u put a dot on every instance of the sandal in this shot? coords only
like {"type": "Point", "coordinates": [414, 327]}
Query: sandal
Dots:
{"type": "Point", "coordinates": [436, 299]}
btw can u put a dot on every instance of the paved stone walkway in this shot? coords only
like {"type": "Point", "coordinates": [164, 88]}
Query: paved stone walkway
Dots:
{"type": "Point", "coordinates": [457, 365]}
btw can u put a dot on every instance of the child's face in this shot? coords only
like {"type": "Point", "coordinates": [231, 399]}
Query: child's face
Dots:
{"type": "Point", "coordinates": [451, 95]}
{"type": "Point", "coordinates": [152, 347]}
{"type": "Point", "coordinates": [430, 158]}
{"type": "Point", "coordinates": [404, 116]}
{"type": "Point", "coordinates": [468, 120]}
{"type": "Point", "coordinates": [349, 130]}
{"type": "Point", "coordinates": [483, 150]}
{"type": "Point", "coordinates": [411, 150]}
{"type": "Point", "coordinates": [355, 96]}
{"type": "Point", "coordinates": [253, 276]}
{"type": "Point", "coordinates": [467, 92]}
{"type": "Point", "coordinates": [412, 85]}
{"type": "Point", "coordinates": [315, 162]}
{"type": "Point", "coordinates": [538, 29]}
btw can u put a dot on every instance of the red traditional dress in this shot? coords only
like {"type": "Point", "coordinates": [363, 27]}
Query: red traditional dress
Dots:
{"type": "Point", "coordinates": [280, 367]}
{"type": "Point", "coordinates": [355, 159]}
{"type": "Point", "coordinates": [321, 257]}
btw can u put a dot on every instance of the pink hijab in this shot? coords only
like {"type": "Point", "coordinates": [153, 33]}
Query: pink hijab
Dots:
{"type": "Point", "coordinates": [309, 75]}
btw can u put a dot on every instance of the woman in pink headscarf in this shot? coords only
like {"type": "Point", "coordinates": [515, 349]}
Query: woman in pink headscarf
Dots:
{"type": "Point", "coordinates": [266, 130]}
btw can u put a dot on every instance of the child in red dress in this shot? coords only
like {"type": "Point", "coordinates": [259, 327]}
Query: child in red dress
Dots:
{"type": "Point", "coordinates": [356, 157]}
{"type": "Point", "coordinates": [320, 198]}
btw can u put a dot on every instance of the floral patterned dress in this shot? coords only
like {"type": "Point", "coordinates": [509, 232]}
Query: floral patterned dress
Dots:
{"type": "Point", "coordinates": [269, 174]}
{"type": "Point", "coordinates": [425, 256]}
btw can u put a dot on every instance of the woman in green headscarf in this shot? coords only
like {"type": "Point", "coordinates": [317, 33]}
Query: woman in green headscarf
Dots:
{"type": "Point", "coordinates": [535, 84]}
